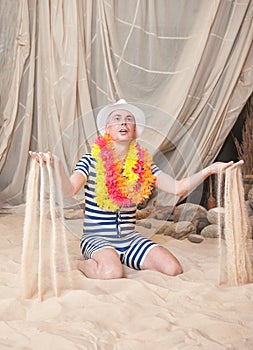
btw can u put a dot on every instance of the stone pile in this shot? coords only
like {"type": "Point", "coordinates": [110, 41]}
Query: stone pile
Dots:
{"type": "Point", "coordinates": [191, 221]}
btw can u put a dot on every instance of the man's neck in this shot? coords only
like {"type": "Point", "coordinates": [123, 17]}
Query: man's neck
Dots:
{"type": "Point", "coordinates": [121, 148]}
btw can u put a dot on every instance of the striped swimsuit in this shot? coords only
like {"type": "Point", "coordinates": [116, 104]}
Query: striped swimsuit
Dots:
{"type": "Point", "coordinates": [106, 229]}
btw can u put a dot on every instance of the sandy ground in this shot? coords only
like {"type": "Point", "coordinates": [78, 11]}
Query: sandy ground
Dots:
{"type": "Point", "coordinates": [146, 310]}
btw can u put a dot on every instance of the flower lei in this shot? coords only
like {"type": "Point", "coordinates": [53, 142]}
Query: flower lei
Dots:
{"type": "Point", "coordinates": [119, 185]}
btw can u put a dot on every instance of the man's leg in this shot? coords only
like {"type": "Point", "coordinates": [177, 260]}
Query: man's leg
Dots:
{"type": "Point", "coordinates": [160, 259]}
{"type": "Point", "coordinates": [104, 264]}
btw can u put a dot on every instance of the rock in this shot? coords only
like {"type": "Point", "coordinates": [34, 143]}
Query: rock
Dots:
{"type": "Point", "coordinates": [71, 214]}
{"type": "Point", "coordinates": [163, 212]}
{"type": "Point", "coordinates": [178, 230]}
{"type": "Point", "coordinates": [212, 215]}
{"type": "Point", "coordinates": [210, 231]}
{"type": "Point", "coordinates": [195, 238]}
{"type": "Point", "coordinates": [251, 226]}
{"type": "Point", "coordinates": [145, 224]}
{"type": "Point", "coordinates": [250, 197]}
{"type": "Point", "coordinates": [249, 208]}
{"type": "Point", "coordinates": [167, 227]}
{"type": "Point", "coordinates": [189, 212]}
{"type": "Point", "coordinates": [143, 213]}
{"type": "Point", "coordinates": [201, 223]}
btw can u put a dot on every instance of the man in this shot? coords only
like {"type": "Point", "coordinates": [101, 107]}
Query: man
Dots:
{"type": "Point", "coordinates": [118, 175]}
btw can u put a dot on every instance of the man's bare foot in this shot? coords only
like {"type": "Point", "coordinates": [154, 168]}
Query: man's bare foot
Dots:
{"type": "Point", "coordinates": [73, 264]}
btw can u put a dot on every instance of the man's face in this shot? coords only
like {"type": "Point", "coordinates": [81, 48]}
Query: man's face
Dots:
{"type": "Point", "coordinates": [121, 125]}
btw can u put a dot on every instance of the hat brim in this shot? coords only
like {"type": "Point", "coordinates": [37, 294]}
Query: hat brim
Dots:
{"type": "Point", "coordinates": [135, 111]}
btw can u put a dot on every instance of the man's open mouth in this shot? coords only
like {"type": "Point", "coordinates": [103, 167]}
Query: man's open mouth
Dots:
{"type": "Point", "coordinates": [123, 131]}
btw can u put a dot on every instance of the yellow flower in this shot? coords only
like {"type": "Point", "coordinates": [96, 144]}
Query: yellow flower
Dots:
{"type": "Point", "coordinates": [95, 151]}
{"type": "Point", "coordinates": [130, 164]}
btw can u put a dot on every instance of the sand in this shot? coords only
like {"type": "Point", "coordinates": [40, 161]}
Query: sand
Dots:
{"type": "Point", "coordinates": [145, 310]}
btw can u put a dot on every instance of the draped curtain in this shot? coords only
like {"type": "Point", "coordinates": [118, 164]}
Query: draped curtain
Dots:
{"type": "Point", "coordinates": [187, 63]}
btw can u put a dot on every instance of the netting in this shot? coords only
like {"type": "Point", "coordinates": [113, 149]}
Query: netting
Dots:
{"type": "Point", "coordinates": [235, 236]}
{"type": "Point", "coordinates": [44, 241]}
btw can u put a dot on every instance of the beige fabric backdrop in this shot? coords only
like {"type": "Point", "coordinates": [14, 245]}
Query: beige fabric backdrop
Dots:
{"type": "Point", "coordinates": [188, 64]}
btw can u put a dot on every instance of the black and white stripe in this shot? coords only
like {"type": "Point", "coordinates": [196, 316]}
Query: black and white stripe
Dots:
{"type": "Point", "coordinates": [98, 221]}
{"type": "Point", "coordinates": [132, 248]}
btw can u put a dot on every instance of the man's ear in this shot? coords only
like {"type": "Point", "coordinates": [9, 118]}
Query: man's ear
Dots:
{"type": "Point", "coordinates": [135, 133]}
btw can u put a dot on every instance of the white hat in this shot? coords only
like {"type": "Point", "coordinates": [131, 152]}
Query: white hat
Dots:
{"type": "Point", "coordinates": [104, 113]}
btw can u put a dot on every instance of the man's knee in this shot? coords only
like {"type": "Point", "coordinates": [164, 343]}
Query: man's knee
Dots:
{"type": "Point", "coordinates": [111, 271]}
{"type": "Point", "coordinates": [109, 264]}
{"type": "Point", "coordinates": [160, 259]}
{"type": "Point", "coordinates": [176, 269]}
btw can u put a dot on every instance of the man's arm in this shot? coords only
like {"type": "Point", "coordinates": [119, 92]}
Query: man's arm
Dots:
{"type": "Point", "coordinates": [70, 185]}
{"type": "Point", "coordinates": [183, 187]}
